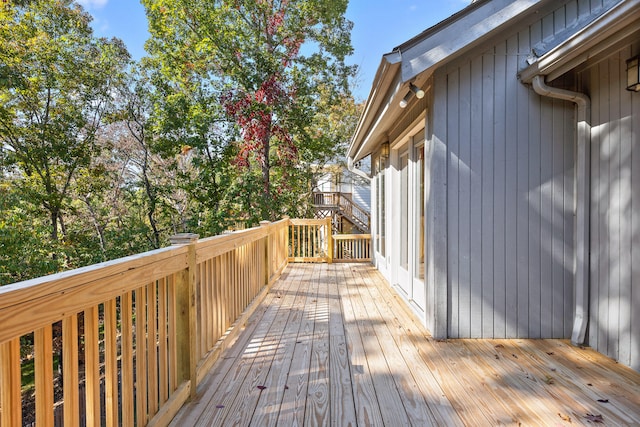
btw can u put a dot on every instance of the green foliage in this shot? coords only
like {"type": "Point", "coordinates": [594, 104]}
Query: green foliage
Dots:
{"type": "Point", "coordinates": [273, 65]}
{"type": "Point", "coordinates": [25, 249]}
{"type": "Point", "coordinates": [52, 101]}
{"type": "Point", "coordinates": [101, 158]}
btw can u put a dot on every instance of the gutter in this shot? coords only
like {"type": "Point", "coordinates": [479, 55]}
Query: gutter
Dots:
{"type": "Point", "coordinates": [581, 296]}
{"type": "Point", "coordinates": [608, 29]}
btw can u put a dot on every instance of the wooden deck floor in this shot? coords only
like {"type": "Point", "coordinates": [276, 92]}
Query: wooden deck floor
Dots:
{"type": "Point", "coordinates": [331, 345]}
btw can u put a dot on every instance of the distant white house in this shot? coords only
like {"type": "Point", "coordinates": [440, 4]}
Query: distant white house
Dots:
{"type": "Point", "coordinates": [337, 178]}
{"type": "Point", "coordinates": [505, 146]}
{"type": "Point", "coordinates": [345, 196]}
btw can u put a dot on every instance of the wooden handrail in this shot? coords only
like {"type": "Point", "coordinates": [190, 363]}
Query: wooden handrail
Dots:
{"type": "Point", "coordinates": [167, 310]}
{"type": "Point", "coordinates": [151, 325]}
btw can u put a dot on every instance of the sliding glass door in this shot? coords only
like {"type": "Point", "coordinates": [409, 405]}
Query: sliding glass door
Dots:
{"type": "Point", "coordinates": [409, 219]}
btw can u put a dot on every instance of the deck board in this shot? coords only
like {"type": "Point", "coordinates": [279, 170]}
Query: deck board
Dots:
{"type": "Point", "coordinates": [332, 344]}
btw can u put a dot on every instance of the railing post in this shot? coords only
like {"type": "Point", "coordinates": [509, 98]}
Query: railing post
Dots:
{"type": "Point", "coordinates": [268, 261]}
{"type": "Point", "coordinates": [186, 337]}
{"type": "Point", "coordinates": [329, 241]}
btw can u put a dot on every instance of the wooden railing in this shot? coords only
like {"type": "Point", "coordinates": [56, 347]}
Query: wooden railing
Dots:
{"type": "Point", "coordinates": [354, 212]}
{"type": "Point", "coordinates": [343, 204]}
{"type": "Point", "coordinates": [352, 248]}
{"type": "Point", "coordinates": [137, 335]}
{"type": "Point", "coordinates": [310, 240]}
{"type": "Point", "coordinates": [326, 198]}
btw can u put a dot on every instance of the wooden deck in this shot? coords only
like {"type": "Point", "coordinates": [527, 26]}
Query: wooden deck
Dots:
{"type": "Point", "coordinates": [331, 344]}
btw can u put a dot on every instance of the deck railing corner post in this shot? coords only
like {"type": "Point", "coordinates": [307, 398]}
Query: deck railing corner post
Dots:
{"type": "Point", "coordinates": [186, 312]}
{"type": "Point", "coordinates": [329, 241]}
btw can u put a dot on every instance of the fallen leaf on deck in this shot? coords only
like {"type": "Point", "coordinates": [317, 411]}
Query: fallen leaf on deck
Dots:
{"type": "Point", "coordinates": [603, 400]}
{"type": "Point", "coordinates": [499, 346]}
{"type": "Point", "coordinates": [564, 417]}
{"type": "Point", "coordinates": [261, 387]}
{"type": "Point", "coordinates": [595, 418]}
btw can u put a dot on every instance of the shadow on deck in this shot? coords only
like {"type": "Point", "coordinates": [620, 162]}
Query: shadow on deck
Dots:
{"type": "Point", "coordinates": [332, 344]}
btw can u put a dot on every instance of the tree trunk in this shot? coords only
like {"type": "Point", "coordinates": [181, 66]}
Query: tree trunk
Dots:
{"type": "Point", "coordinates": [53, 214]}
{"type": "Point", "coordinates": [63, 227]}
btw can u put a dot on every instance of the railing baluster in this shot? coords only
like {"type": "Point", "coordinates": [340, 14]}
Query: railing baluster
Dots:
{"type": "Point", "coordinates": [70, 370]}
{"type": "Point", "coordinates": [111, 362]}
{"type": "Point", "coordinates": [226, 290]}
{"type": "Point", "coordinates": [201, 311]}
{"type": "Point", "coordinates": [126, 370]}
{"type": "Point", "coordinates": [141, 356]}
{"type": "Point", "coordinates": [92, 365]}
{"type": "Point", "coordinates": [163, 353]}
{"type": "Point", "coordinates": [172, 333]}
{"type": "Point", "coordinates": [213, 313]}
{"type": "Point", "coordinates": [218, 306]}
{"type": "Point", "coordinates": [152, 348]}
{"type": "Point", "coordinates": [43, 342]}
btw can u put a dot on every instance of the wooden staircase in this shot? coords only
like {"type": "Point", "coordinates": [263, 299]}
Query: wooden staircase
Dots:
{"type": "Point", "coordinates": [346, 215]}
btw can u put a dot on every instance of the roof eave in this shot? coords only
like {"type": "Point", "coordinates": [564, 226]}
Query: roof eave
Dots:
{"type": "Point", "coordinates": [470, 28]}
{"type": "Point", "coordinates": [381, 95]}
{"type": "Point", "coordinates": [422, 55]}
{"type": "Point", "coordinates": [609, 29]}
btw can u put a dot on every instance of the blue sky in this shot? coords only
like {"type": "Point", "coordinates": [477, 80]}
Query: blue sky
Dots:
{"type": "Point", "coordinates": [379, 26]}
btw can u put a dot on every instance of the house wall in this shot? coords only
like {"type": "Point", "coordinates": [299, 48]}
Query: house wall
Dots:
{"type": "Point", "coordinates": [509, 189]}
{"type": "Point", "coordinates": [500, 187]}
{"type": "Point", "coordinates": [347, 182]}
{"type": "Point", "coordinates": [614, 324]}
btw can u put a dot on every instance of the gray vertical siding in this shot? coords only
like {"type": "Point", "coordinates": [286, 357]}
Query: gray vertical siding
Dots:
{"type": "Point", "coordinates": [614, 324]}
{"type": "Point", "coordinates": [500, 194]}
{"type": "Point", "coordinates": [510, 205]}
{"type": "Point", "coordinates": [510, 190]}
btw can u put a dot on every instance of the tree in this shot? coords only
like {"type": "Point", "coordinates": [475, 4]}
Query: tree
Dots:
{"type": "Point", "coordinates": [268, 60]}
{"type": "Point", "coordinates": [56, 84]}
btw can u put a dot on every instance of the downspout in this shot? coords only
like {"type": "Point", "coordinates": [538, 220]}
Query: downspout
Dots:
{"type": "Point", "coordinates": [583, 102]}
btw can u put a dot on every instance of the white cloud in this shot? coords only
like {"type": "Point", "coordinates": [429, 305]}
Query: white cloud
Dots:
{"type": "Point", "coordinates": [94, 4]}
